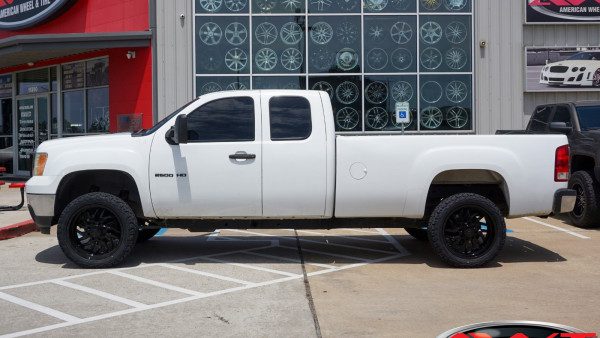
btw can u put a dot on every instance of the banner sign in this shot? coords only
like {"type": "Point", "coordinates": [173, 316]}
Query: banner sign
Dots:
{"type": "Point", "coordinates": [16, 14]}
{"type": "Point", "coordinates": [555, 11]}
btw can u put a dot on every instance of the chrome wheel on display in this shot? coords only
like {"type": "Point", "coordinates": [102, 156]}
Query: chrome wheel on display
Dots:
{"type": "Point", "coordinates": [211, 5]}
{"type": "Point", "coordinates": [376, 92]}
{"type": "Point", "coordinates": [291, 59]}
{"type": "Point", "coordinates": [456, 32]}
{"type": "Point", "coordinates": [456, 91]}
{"type": "Point", "coordinates": [265, 59]}
{"type": "Point", "coordinates": [236, 59]}
{"type": "Point", "coordinates": [321, 33]}
{"type": "Point", "coordinates": [347, 118]}
{"type": "Point", "coordinates": [347, 92]}
{"type": "Point", "coordinates": [324, 86]}
{"type": "Point", "coordinates": [431, 117]}
{"type": "Point", "coordinates": [266, 33]}
{"type": "Point", "coordinates": [457, 117]}
{"type": "Point", "coordinates": [236, 33]}
{"type": "Point", "coordinates": [210, 33]}
{"type": "Point", "coordinates": [291, 33]}
{"type": "Point", "coordinates": [431, 32]}
{"type": "Point", "coordinates": [377, 118]}
{"type": "Point", "coordinates": [456, 58]}
{"type": "Point", "coordinates": [401, 32]}
{"type": "Point", "coordinates": [431, 58]}
{"type": "Point", "coordinates": [402, 91]}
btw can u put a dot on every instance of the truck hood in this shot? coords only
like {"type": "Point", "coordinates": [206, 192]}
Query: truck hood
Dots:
{"type": "Point", "coordinates": [88, 142]}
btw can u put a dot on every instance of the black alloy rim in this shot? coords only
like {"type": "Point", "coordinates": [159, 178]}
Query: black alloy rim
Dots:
{"type": "Point", "coordinates": [579, 208]}
{"type": "Point", "coordinates": [95, 232]}
{"type": "Point", "coordinates": [469, 231]}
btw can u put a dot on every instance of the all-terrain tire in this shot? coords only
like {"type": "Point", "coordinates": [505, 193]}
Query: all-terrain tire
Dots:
{"type": "Point", "coordinates": [126, 220]}
{"type": "Point", "coordinates": [448, 207]}
{"type": "Point", "coordinates": [586, 213]}
{"type": "Point", "coordinates": [145, 235]}
{"type": "Point", "coordinates": [418, 233]}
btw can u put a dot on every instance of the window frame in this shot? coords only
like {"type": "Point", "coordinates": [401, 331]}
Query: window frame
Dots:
{"type": "Point", "coordinates": [310, 130]}
{"type": "Point", "coordinates": [229, 140]}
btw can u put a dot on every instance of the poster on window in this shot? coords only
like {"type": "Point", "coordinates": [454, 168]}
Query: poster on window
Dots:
{"type": "Point", "coordinates": [567, 11]}
{"type": "Point", "coordinates": [562, 69]}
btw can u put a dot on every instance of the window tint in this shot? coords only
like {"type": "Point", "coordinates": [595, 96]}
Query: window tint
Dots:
{"type": "Point", "coordinates": [561, 114]}
{"type": "Point", "coordinates": [589, 117]}
{"type": "Point", "coordinates": [540, 118]}
{"type": "Point", "coordinates": [224, 120]}
{"type": "Point", "coordinates": [290, 118]}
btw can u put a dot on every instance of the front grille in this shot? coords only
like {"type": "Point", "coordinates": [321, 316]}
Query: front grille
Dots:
{"type": "Point", "coordinates": [559, 69]}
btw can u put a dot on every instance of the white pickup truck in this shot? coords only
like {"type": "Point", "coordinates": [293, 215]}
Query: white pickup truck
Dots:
{"type": "Point", "coordinates": [272, 159]}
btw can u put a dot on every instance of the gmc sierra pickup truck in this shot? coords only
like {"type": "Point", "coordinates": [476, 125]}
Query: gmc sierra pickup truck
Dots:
{"type": "Point", "coordinates": [580, 121]}
{"type": "Point", "coordinates": [268, 159]}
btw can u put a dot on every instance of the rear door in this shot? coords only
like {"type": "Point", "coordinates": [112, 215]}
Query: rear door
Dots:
{"type": "Point", "coordinates": [294, 154]}
{"type": "Point", "coordinates": [218, 172]}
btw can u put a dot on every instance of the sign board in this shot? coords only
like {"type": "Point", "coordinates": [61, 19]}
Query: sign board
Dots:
{"type": "Point", "coordinates": [567, 11]}
{"type": "Point", "coordinates": [402, 113]}
{"type": "Point", "coordinates": [16, 14]}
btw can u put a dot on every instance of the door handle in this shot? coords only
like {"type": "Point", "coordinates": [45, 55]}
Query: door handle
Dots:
{"type": "Point", "coordinates": [242, 156]}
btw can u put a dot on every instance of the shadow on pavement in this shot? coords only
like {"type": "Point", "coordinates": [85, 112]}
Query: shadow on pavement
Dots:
{"type": "Point", "coordinates": [331, 250]}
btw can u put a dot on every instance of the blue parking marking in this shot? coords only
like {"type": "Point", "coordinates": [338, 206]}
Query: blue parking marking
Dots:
{"type": "Point", "coordinates": [161, 232]}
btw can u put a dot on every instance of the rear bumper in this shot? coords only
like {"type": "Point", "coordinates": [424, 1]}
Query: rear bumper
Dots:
{"type": "Point", "coordinates": [564, 201]}
{"type": "Point", "coordinates": [41, 208]}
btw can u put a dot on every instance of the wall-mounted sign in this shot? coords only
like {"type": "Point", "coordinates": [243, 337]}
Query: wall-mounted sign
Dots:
{"type": "Point", "coordinates": [16, 14]}
{"type": "Point", "coordinates": [562, 69]}
{"type": "Point", "coordinates": [553, 11]}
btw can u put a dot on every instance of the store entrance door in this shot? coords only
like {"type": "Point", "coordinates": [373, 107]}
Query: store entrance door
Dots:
{"type": "Point", "coordinates": [32, 129]}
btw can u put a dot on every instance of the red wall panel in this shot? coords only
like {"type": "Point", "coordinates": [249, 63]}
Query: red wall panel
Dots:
{"type": "Point", "coordinates": [93, 16]}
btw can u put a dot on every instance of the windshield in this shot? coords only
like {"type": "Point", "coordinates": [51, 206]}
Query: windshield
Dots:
{"type": "Point", "coordinates": [586, 56]}
{"type": "Point", "coordinates": [589, 117]}
{"type": "Point", "coordinates": [145, 132]}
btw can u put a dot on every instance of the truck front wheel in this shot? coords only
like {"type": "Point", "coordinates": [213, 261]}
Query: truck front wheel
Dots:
{"type": "Point", "coordinates": [466, 230]}
{"type": "Point", "coordinates": [97, 230]}
{"type": "Point", "coordinates": [586, 213]}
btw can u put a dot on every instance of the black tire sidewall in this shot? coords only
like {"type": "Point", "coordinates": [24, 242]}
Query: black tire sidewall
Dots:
{"type": "Point", "coordinates": [125, 216]}
{"type": "Point", "coordinates": [591, 215]}
{"type": "Point", "coordinates": [445, 209]}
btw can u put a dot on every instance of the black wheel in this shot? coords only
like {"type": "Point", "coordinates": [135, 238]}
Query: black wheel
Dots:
{"type": "Point", "coordinates": [146, 234]}
{"type": "Point", "coordinates": [596, 79]}
{"type": "Point", "coordinates": [586, 213]}
{"type": "Point", "coordinates": [97, 230]}
{"type": "Point", "coordinates": [418, 233]}
{"type": "Point", "coordinates": [466, 230]}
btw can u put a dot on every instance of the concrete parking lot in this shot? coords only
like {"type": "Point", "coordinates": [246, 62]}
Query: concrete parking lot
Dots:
{"type": "Point", "coordinates": [257, 283]}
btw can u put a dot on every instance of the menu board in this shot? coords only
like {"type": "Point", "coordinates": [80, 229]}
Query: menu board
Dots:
{"type": "Point", "coordinates": [6, 86]}
{"type": "Point", "coordinates": [26, 130]}
{"type": "Point", "coordinates": [73, 75]}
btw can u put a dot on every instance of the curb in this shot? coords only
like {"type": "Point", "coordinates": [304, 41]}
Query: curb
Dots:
{"type": "Point", "coordinates": [17, 229]}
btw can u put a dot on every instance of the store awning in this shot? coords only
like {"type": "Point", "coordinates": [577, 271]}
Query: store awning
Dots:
{"type": "Point", "coordinates": [22, 49]}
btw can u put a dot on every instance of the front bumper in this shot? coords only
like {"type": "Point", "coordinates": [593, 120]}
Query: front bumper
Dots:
{"type": "Point", "coordinates": [564, 201]}
{"type": "Point", "coordinates": [41, 208]}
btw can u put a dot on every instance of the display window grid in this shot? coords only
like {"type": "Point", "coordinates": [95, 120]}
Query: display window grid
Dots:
{"type": "Point", "coordinates": [362, 14]}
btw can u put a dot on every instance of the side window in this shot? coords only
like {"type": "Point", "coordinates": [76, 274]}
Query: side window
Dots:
{"type": "Point", "coordinates": [539, 120]}
{"type": "Point", "coordinates": [223, 120]}
{"type": "Point", "coordinates": [561, 114]}
{"type": "Point", "coordinates": [290, 118]}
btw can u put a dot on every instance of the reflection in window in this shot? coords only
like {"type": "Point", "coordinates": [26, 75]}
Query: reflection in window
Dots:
{"type": "Point", "coordinates": [290, 118]}
{"type": "Point", "coordinates": [97, 110]}
{"type": "Point", "coordinates": [96, 73]}
{"type": "Point", "coordinates": [33, 81]}
{"type": "Point", "coordinates": [73, 112]}
{"type": "Point", "coordinates": [73, 75]}
{"type": "Point", "coordinates": [224, 120]}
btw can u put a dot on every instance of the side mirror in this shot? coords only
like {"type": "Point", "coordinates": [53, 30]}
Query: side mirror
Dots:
{"type": "Point", "coordinates": [178, 134]}
{"type": "Point", "coordinates": [560, 127]}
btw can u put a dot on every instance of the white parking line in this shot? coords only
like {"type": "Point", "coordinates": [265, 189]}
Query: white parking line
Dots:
{"type": "Point", "coordinates": [39, 308]}
{"type": "Point", "coordinates": [254, 267]}
{"type": "Point", "coordinates": [155, 283]}
{"type": "Point", "coordinates": [99, 293]}
{"type": "Point", "coordinates": [339, 236]}
{"type": "Point", "coordinates": [556, 228]}
{"type": "Point", "coordinates": [392, 241]}
{"type": "Point", "coordinates": [207, 274]}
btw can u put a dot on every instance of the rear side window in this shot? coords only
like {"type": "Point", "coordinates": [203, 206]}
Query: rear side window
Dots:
{"type": "Point", "coordinates": [561, 114]}
{"type": "Point", "coordinates": [539, 120]}
{"type": "Point", "coordinates": [223, 120]}
{"type": "Point", "coordinates": [290, 118]}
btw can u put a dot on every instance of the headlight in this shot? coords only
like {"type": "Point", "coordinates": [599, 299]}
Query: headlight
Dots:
{"type": "Point", "coordinates": [575, 69]}
{"type": "Point", "coordinates": [39, 164]}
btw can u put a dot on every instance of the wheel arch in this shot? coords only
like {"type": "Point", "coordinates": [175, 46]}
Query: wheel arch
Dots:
{"type": "Point", "coordinates": [115, 182]}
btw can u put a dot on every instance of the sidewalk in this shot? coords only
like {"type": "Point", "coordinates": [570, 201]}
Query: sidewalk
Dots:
{"type": "Point", "coordinates": [18, 222]}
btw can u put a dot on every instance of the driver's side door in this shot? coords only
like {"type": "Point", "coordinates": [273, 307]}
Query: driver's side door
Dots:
{"type": "Point", "coordinates": [218, 172]}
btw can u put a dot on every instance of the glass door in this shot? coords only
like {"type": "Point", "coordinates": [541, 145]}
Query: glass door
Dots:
{"type": "Point", "coordinates": [7, 151]}
{"type": "Point", "coordinates": [32, 127]}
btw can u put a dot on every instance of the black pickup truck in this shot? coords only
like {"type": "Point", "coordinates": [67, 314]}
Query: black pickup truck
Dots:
{"type": "Point", "coordinates": [580, 121]}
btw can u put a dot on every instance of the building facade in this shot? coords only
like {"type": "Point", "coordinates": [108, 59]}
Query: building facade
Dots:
{"type": "Point", "coordinates": [461, 66]}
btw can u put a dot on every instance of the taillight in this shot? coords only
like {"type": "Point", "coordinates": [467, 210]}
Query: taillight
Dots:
{"type": "Point", "coordinates": [561, 164]}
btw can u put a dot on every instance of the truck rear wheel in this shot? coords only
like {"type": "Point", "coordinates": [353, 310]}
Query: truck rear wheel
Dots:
{"type": "Point", "coordinates": [466, 230]}
{"type": "Point", "coordinates": [586, 213]}
{"type": "Point", "coordinates": [97, 230]}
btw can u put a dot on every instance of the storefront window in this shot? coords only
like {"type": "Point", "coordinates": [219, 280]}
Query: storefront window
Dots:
{"type": "Point", "coordinates": [415, 52]}
{"type": "Point", "coordinates": [33, 81]}
{"type": "Point", "coordinates": [97, 110]}
{"type": "Point", "coordinates": [85, 97]}
{"type": "Point", "coordinates": [73, 112]}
